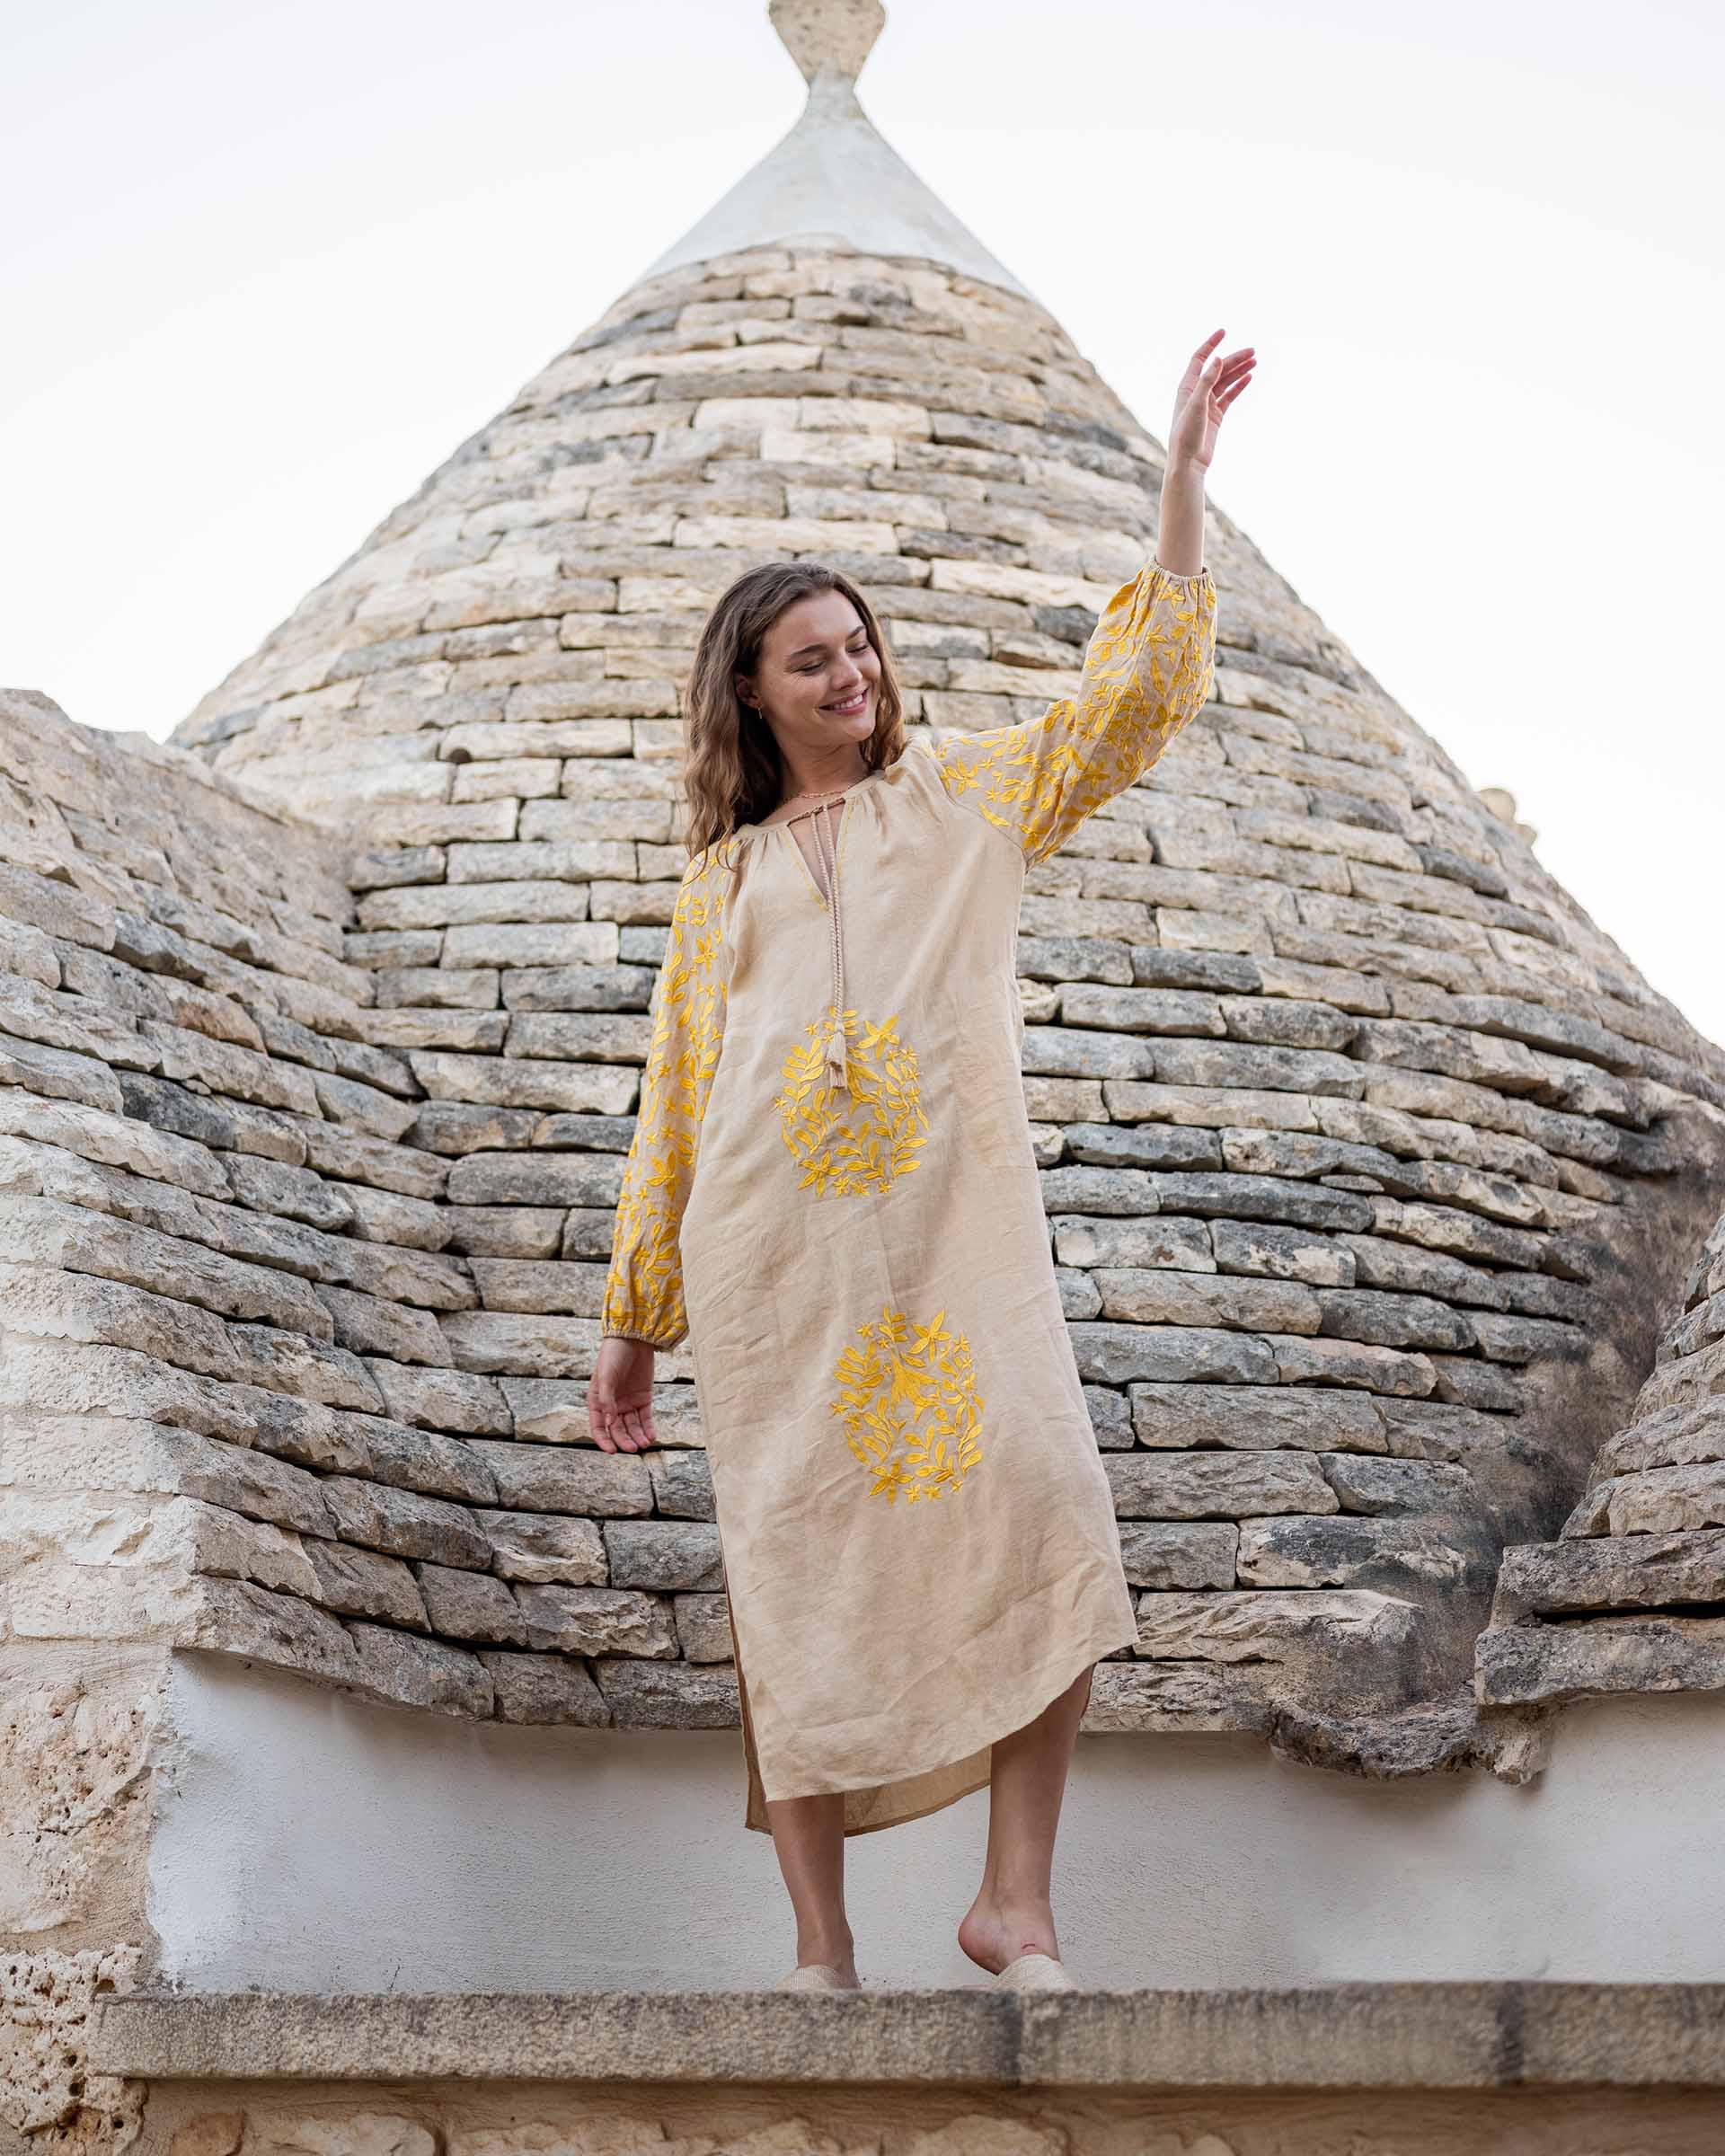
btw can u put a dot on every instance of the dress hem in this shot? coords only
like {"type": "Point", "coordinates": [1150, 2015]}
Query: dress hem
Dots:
{"type": "Point", "coordinates": [875, 1826]}
{"type": "Point", "coordinates": [1093, 1653]}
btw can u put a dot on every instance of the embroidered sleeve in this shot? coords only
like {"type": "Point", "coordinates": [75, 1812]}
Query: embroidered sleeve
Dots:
{"type": "Point", "coordinates": [643, 1288]}
{"type": "Point", "coordinates": [1147, 671]}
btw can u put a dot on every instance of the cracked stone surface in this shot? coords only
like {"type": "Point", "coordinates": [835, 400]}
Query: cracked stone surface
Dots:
{"type": "Point", "coordinates": [1631, 1596]}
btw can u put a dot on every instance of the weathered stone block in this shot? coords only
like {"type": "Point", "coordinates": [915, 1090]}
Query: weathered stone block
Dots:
{"type": "Point", "coordinates": [1304, 1361]}
{"type": "Point", "coordinates": [1215, 1485]}
{"type": "Point", "coordinates": [471, 1605]}
{"type": "Point", "coordinates": [1115, 1355]}
{"type": "Point", "coordinates": [540, 1547]}
{"type": "Point", "coordinates": [664, 1553]}
{"type": "Point", "coordinates": [362, 1583]}
{"type": "Point", "coordinates": [1151, 1297]}
{"type": "Point", "coordinates": [544, 1478]}
{"type": "Point", "coordinates": [404, 1523]}
{"type": "Point", "coordinates": [598, 1620]}
{"type": "Point", "coordinates": [1154, 1698]}
{"type": "Point", "coordinates": [1344, 1552]}
{"type": "Point", "coordinates": [663, 1695]}
{"type": "Point", "coordinates": [420, 1673]}
{"type": "Point", "coordinates": [1280, 1253]}
{"type": "Point", "coordinates": [1523, 1665]}
{"type": "Point", "coordinates": [1266, 1625]}
{"type": "Point", "coordinates": [1179, 1553]}
{"type": "Point", "coordinates": [1256, 1418]}
{"type": "Point", "coordinates": [1618, 1572]}
{"type": "Point", "coordinates": [543, 1689]}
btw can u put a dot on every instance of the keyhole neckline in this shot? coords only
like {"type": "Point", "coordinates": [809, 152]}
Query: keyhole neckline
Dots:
{"type": "Point", "coordinates": [825, 805]}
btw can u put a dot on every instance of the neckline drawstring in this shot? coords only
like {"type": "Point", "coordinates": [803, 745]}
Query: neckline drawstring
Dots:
{"type": "Point", "coordinates": [837, 1076]}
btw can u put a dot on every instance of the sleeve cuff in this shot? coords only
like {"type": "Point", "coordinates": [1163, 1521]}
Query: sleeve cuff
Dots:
{"type": "Point", "coordinates": [1199, 576]}
{"type": "Point", "coordinates": [617, 1332]}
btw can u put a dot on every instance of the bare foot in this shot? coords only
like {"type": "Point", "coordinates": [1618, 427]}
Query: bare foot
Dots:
{"type": "Point", "coordinates": [843, 1959]}
{"type": "Point", "coordinates": [994, 1933]}
{"type": "Point", "coordinates": [847, 1970]}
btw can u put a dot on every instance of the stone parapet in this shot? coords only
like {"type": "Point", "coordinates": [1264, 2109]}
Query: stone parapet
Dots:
{"type": "Point", "coordinates": [1342, 2036]}
{"type": "Point", "coordinates": [1429, 2069]}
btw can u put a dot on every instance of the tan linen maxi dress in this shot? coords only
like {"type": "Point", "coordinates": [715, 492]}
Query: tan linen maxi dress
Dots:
{"type": "Point", "coordinates": [832, 1190]}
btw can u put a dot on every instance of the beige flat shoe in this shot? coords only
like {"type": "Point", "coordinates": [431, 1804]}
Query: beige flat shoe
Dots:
{"type": "Point", "coordinates": [814, 1976]}
{"type": "Point", "coordinates": [1034, 1973]}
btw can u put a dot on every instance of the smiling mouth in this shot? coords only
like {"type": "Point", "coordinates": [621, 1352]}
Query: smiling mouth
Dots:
{"type": "Point", "coordinates": [845, 711]}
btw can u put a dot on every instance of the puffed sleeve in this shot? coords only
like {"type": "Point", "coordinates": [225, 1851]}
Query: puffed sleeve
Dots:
{"type": "Point", "coordinates": [1147, 671]}
{"type": "Point", "coordinates": [643, 1289]}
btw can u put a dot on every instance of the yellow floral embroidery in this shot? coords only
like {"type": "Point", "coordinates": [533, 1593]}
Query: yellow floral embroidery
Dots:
{"type": "Point", "coordinates": [643, 1289]}
{"type": "Point", "coordinates": [859, 1141]}
{"type": "Point", "coordinates": [1148, 672]}
{"type": "Point", "coordinates": [910, 1404]}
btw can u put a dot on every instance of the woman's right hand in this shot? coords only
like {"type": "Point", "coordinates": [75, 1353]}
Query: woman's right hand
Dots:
{"type": "Point", "coordinates": [620, 1396]}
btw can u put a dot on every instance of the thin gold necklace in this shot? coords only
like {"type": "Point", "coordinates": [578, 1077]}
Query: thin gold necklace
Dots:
{"type": "Point", "coordinates": [833, 793]}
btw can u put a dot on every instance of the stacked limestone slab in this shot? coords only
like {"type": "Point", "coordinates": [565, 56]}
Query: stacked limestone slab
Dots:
{"type": "Point", "coordinates": [1630, 1597]}
{"type": "Point", "coordinates": [235, 1411]}
{"type": "Point", "coordinates": [1364, 1149]}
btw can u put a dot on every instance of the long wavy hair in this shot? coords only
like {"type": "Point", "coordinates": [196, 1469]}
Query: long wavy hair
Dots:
{"type": "Point", "coordinates": [732, 771]}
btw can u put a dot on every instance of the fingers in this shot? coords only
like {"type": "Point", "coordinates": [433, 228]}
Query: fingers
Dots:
{"type": "Point", "coordinates": [636, 1433]}
{"type": "Point", "coordinates": [617, 1429]}
{"type": "Point", "coordinates": [620, 1398]}
{"type": "Point", "coordinates": [1221, 372]}
{"type": "Point", "coordinates": [1225, 365]}
{"type": "Point", "coordinates": [600, 1415]}
{"type": "Point", "coordinates": [1242, 355]}
{"type": "Point", "coordinates": [605, 1416]}
{"type": "Point", "coordinates": [623, 1433]}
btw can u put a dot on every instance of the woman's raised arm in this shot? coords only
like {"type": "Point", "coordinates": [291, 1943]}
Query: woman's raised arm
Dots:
{"type": "Point", "coordinates": [1149, 664]}
{"type": "Point", "coordinates": [1147, 671]}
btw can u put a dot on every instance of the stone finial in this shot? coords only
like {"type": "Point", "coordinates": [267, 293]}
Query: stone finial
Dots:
{"type": "Point", "coordinates": [1501, 802]}
{"type": "Point", "coordinates": [833, 177]}
{"type": "Point", "coordinates": [841, 31]}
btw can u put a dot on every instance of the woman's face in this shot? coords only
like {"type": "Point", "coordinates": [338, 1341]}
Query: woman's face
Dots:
{"type": "Point", "coordinates": [818, 675]}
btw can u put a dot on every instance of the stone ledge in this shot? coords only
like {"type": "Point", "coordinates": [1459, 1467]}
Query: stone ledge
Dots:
{"type": "Point", "coordinates": [1457, 2036]}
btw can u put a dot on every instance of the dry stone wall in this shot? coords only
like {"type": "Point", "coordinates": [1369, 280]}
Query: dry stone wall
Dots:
{"type": "Point", "coordinates": [232, 1416]}
{"type": "Point", "coordinates": [1366, 1154]}
{"type": "Point", "coordinates": [1630, 1597]}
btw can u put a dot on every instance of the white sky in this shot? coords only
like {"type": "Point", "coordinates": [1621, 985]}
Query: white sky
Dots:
{"type": "Point", "coordinates": [266, 264]}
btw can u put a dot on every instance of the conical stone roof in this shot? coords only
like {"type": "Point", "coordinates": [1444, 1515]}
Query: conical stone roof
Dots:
{"type": "Point", "coordinates": [1369, 1158]}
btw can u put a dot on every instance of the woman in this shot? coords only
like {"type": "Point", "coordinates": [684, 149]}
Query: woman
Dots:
{"type": "Point", "coordinates": [832, 1191]}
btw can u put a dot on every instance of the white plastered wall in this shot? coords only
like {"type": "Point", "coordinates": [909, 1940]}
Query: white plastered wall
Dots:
{"type": "Point", "coordinates": [309, 1842]}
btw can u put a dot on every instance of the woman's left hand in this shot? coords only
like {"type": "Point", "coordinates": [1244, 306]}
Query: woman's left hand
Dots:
{"type": "Point", "coordinates": [1206, 391]}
